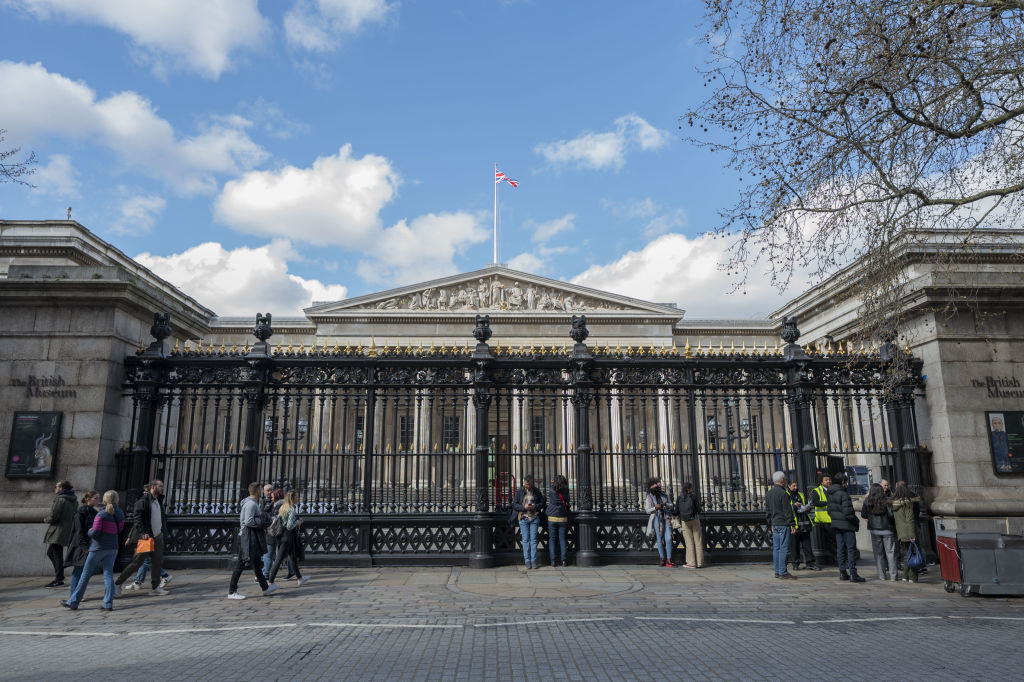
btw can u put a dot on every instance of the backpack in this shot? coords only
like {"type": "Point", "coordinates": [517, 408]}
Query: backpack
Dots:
{"type": "Point", "coordinates": [687, 508]}
{"type": "Point", "coordinates": [276, 527]}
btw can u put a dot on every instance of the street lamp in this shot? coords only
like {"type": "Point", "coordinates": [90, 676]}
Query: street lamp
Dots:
{"type": "Point", "coordinates": [270, 429]}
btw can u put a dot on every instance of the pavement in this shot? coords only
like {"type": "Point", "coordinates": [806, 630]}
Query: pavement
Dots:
{"type": "Point", "coordinates": [605, 623]}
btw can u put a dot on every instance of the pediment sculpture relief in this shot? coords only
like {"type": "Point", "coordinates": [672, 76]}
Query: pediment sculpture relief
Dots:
{"type": "Point", "coordinates": [493, 293]}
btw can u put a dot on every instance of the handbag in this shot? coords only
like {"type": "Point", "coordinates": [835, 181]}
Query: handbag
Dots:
{"type": "Point", "coordinates": [144, 546]}
{"type": "Point", "coordinates": [276, 527]}
{"type": "Point", "coordinates": [915, 557]}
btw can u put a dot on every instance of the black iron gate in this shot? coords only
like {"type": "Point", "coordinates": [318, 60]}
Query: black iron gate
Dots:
{"type": "Point", "coordinates": [412, 455]}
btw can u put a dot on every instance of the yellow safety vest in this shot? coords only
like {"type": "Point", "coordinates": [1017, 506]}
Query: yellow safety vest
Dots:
{"type": "Point", "coordinates": [796, 519]}
{"type": "Point", "coordinates": [821, 506]}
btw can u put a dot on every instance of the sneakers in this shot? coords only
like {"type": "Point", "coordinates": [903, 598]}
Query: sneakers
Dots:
{"type": "Point", "coordinates": [68, 605]}
{"type": "Point", "coordinates": [106, 608]}
{"type": "Point", "coordinates": [54, 583]}
{"type": "Point", "coordinates": [786, 576]}
{"type": "Point", "coordinates": [271, 589]}
{"type": "Point", "coordinates": [661, 562]}
{"type": "Point", "coordinates": [131, 587]}
{"type": "Point", "coordinates": [158, 592]}
{"type": "Point", "coordinates": [689, 565]}
{"type": "Point", "coordinates": [814, 568]}
{"type": "Point", "coordinates": [118, 592]}
{"type": "Point", "coordinates": [668, 564]}
{"type": "Point", "coordinates": [290, 576]}
{"type": "Point", "coordinates": [235, 595]}
{"type": "Point", "coordinates": [302, 581]}
{"type": "Point", "coordinates": [166, 580]}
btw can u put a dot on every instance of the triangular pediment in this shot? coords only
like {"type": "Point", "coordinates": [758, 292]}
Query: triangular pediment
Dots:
{"type": "Point", "coordinates": [494, 290]}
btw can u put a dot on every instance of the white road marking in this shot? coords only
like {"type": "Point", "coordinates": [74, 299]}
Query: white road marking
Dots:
{"type": "Point", "coordinates": [379, 625]}
{"type": "Point", "coordinates": [538, 622]}
{"type": "Point", "coordinates": [59, 634]}
{"type": "Point", "coordinates": [868, 620]}
{"type": "Point", "coordinates": [987, 617]}
{"type": "Point", "coordinates": [718, 620]}
{"type": "Point", "coordinates": [222, 629]}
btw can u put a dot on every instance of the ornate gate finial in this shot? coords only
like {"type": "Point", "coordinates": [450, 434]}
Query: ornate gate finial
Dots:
{"type": "Point", "coordinates": [482, 331]}
{"type": "Point", "coordinates": [579, 331]}
{"type": "Point", "coordinates": [790, 334]}
{"type": "Point", "coordinates": [263, 330]}
{"type": "Point", "coordinates": [160, 330]}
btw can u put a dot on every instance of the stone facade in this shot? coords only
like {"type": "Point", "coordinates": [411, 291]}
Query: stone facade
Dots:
{"type": "Point", "coordinates": [73, 307]}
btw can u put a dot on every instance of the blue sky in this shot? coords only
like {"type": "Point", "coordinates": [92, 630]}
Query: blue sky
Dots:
{"type": "Point", "coordinates": [264, 155]}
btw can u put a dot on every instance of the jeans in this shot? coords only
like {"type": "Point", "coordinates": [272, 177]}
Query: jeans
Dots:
{"type": "Point", "coordinates": [285, 551]}
{"type": "Point", "coordinates": [76, 575]}
{"type": "Point", "coordinates": [693, 537]}
{"type": "Point", "coordinates": [663, 537]}
{"type": "Point", "coordinates": [884, 549]}
{"type": "Point", "coordinates": [528, 528]}
{"type": "Point", "coordinates": [140, 577]}
{"type": "Point", "coordinates": [557, 531]}
{"type": "Point", "coordinates": [56, 555]}
{"type": "Point", "coordinates": [157, 556]}
{"type": "Point", "coordinates": [846, 550]}
{"type": "Point", "coordinates": [268, 559]}
{"type": "Point", "coordinates": [101, 557]}
{"type": "Point", "coordinates": [780, 548]}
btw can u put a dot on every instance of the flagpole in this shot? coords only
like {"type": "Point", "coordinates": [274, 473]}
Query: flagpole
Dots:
{"type": "Point", "coordinates": [495, 216]}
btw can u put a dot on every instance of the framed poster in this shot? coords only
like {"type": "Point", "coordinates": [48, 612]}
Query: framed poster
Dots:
{"type": "Point", "coordinates": [1006, 437]}
{"type": "Point", "coordinates": [35, 437]}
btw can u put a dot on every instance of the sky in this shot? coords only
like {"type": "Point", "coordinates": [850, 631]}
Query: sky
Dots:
{"type": "Point", "coordinates": [265, 155]}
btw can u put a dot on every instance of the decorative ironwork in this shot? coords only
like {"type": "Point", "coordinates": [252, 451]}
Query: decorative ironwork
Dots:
{"type": "Point", "coordinates": [417, 451]}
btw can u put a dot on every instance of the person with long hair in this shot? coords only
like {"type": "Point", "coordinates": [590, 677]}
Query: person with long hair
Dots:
{"type": "Point", "coordinates": [288, 543]}
{"type": "Point", "coordinates": [558, 517]}
{"type": "Point", "coordinates": [905, 519]}
{"type": "Point", "coordinates": [106, 526]}
{"type": "Point", "coordinates": [878, 511]}
{"type": "Point", "coordinates": [658, 505]}
{"type": "Point", "coordinates": [528, 503]}
{"type": "Point", "coordinates": [78, 552]}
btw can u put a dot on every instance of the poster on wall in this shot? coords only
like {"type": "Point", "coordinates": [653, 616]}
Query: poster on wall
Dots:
{"type": "Point", "coordinates": [34, 440]}
{"type": "Point", "coordinates": [1006, 435]}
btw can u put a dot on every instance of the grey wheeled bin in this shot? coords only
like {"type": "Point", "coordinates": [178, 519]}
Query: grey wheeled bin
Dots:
{"type": "Point", "coordinates": [991, 563]}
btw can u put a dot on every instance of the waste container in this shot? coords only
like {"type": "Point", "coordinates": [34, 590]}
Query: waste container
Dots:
{"type": "Point", "coordinates": [981, 563]}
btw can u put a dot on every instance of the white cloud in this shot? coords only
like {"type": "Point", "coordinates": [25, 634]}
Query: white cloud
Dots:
{"type": "Point", "coordinates": [243, 280]}
{"type": "Point", "coordinates": [39, 103]}
{"type": "Point", "coordinates": [137, 214]}
{"type": "Point", "coordinates": [604, 150]}
{"type": "Point", "coordinates": [269, 117]}
{"type": "Point", "coordinates": [319, 25]}
{"type": "Point", "coordinates": [335, 201]}
{"type": "Point", "coordinates": [196, 35]}
{"type": "Point", "coordinates": [423, 248]}
{"type": "Point", "coordinates": [674, 268]}
{"type": "Point", "coordinates": [57, 179]}
{"type": "Point", "coordinates": [543, 232]}
{"type": "Point", "coordinates": [527, 262]}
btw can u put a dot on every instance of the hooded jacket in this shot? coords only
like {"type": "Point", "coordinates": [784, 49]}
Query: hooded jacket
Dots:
{"type": "Point", "coordinates": [905, 518]}
{"type": "Point", "coordinates": [840, 508]}
{"type": "Point", "coordinates": [61, 518]}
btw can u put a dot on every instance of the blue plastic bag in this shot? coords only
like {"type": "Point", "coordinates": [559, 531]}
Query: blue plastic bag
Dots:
{"type": "Point", "coordinates": [915, 557]}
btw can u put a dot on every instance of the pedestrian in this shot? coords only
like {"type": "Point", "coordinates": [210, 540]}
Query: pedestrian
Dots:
{"type": "Point", "coordinates": [885, 487]}
{"type": "Point", "coordinates": [558, 518]}
{"type": "Point", "coordinates": [61, 520]}
{"type": "Point", "coordinates": [148, 524]}
{"type": "Point", "coordinates": [800, 538]}
{"type": "Point", "coordinates": [821, 522]}
{"type": "Point", "coordinates": [140, 576]}
{"type": "Point", "coordinates": [780, 518]}
{"type": "Point", "coordinates": [659, 507]}
{"type": "Point", "coordinates": [276, 500]}
{"type": "Point", "coordinates": [877, 509]}
{"type": "Point", "coordinates": [78, 551]}
{"type": "Point", "coordinates": [690, 512]}
{"type": "Point", "coordinates": [904, 505]}
{"type": "Point", "coordinates": [266, 506]}
{"type": "Point", "coordinates": [252, 543]}
{"type": "Point", "coordinates": [845, 524]}
{"type": "Point", "coordinates": [528, 502]}
{"type": "Point", "coordinates": [289, 545]}
{"type": "Point", "coordinates": [106, 526]}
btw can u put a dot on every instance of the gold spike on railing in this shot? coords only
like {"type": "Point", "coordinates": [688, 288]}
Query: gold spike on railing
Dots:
{"type": "Point", "coordinates": [176, 351]}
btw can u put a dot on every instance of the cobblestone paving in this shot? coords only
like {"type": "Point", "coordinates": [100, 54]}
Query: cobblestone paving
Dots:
{"type": "Point", "coordinates": [608, 623]}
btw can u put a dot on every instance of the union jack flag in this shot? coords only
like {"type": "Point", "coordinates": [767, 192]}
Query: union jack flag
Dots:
{"type": "Point", "coordinates": [499, 176]}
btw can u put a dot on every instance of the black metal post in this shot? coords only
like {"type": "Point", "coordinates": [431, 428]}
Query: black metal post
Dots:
{"type": "Point", "coordinates": [582, 395]}
{"type": "Point", "coordinates": [259, 359]}
{"type": "Point", "coordinates": [148, 379]}
{"type": "Point", "coordinates": [800, 399]}
{"type": "Point", "coordinates": [483, 541]}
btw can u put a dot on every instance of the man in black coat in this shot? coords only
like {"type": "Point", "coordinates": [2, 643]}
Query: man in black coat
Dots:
{"type": "Point", "coordinates": [149, 523]}
{"type": "Point", "coordinates": [845, 524]}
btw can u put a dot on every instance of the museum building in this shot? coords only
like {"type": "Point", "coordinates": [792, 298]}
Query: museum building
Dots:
{"type": "Point", "coordinates": [406, 418]}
